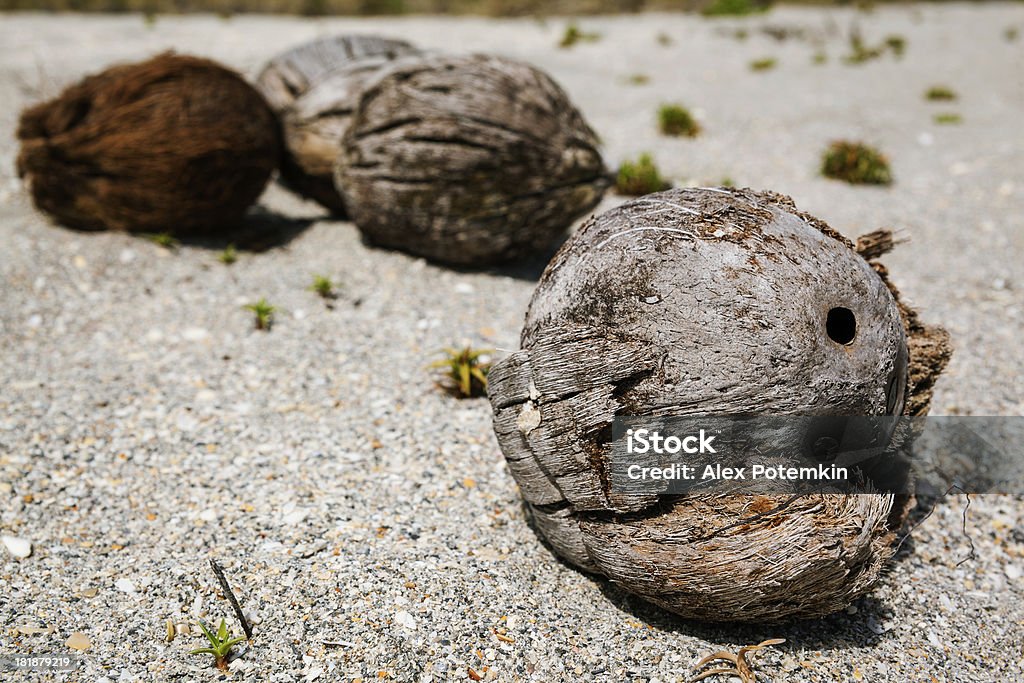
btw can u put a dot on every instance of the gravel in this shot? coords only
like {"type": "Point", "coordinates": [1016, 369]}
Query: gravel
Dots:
{"type": "Point", "coordinates": [366, 520]}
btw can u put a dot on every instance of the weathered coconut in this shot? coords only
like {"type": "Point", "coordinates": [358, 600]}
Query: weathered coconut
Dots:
{"type": "Point", "coordinates": [468, 160]}
{"type": "Point", "coordinates": [709, 302]}
{"type": "Point", "coordinates": [174, 144]}
{"type": "Point", "coordinates": [314, 89]}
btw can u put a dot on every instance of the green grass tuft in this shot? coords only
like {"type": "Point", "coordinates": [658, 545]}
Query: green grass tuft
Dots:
{"type": "Point", "coordinates": [735, 8]}
{"type": "Point", "coordinates": [940, 93]}
{"type": "Point", "coordinates": [263, 312]}
{"type": "Point", "coordinates": [573, 34]}
{"type": "Point", "coordinates": [764, 64]}
{"type": "Point", "coordinates": [948, 119]}
{"type": "Point", "coordinates": [640, 177]}
{"type": "Point", "coordinates": [464, 371]}
{"type": "Point", "coordinates": [855, 163]}
{"type": "Point", "coordinates": [677, 121]}
{"type": "Point", "coordinates": [228, 256]}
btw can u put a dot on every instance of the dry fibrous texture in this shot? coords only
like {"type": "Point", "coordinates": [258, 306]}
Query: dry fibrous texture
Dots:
{"type": "Point", "coordinates": [709, 302]}
{"type": "Point", "coordinates": [175, 144]}
{"type": "Point", "coordinates": [468, 160]}
{"type": "Point", "coordinates": [314, 89]}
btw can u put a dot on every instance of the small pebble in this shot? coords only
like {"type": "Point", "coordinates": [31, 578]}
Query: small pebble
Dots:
{"type": "Point", "coordinates": [18, 547]}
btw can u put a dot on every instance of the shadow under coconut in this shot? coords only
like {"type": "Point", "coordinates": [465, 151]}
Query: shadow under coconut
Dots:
{"type": "Point", "coordinates": [836, 631]}
{"type": "Point", "coordinates": [260, 230]}
{"type": "Point", "coordinates": [528, 268]}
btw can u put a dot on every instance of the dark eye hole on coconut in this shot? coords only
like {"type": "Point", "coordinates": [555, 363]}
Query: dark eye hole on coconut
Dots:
{"type": "Point", "coordinates": [841, 325]}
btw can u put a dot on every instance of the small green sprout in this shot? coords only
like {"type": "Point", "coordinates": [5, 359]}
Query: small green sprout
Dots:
{"type": "Point", "coordinates": [726, 182]}
{"type": "Point", "coordinates": [939, 93]}
{"type": "Point", "coordinates": [573, 34]}
{"type": "Point", "coordinates": [264, 313]}
{"type": "Point", "coordinates": [897, 44]}
{"type": "Point", "coordinates": [638, 79]}
{"type": "Point", "coordinates": [856, 163]}
{"type": "Point", "coordinates": [465, 371]}
{"type": "Point", "coordinates": [228, 256]}
{"type": "Point", "coordinates": [676, 120]}
{"type": "Point", "coordinates": [1010, 34]}
{"type": "Point", "coordinates": [763, 64]}
{"type": "Point", "coordinates": [859, 51]}
{"type": "Point", "coordinates": [323, 286]}
{"type": "Point", "coordinates": [947, 118]}
{"type": "Point", "coordinates": [734, 8]}
{"type": "Point", "coordinates": [664, 39]}
{"type": "Point", "coordinates": [640, 177]}
{"type": "Point", "coordinates": [819, 58]}
{"type": "Point", "coordinates": [220, 644]}
{"type": "Point", "coordinates": [163, 239]}
{"type": "Point", "coordinates": [741, 34]}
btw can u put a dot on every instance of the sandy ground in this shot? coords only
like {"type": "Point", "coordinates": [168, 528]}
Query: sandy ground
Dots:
{"type": "Point", "coordinates": [366, 520]}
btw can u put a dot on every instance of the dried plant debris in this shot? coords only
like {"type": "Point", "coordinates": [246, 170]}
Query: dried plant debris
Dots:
{"type": "Point", "coordinates": [738, 664]}
{"type": "Point", "coordinates": [855, 163]}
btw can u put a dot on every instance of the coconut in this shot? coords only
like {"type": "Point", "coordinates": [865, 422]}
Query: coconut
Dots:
{"type": "Point", "coordinates": [710, 302]}
{"type": "Point", "coordinates": [314, 89]}
{"type": "Point", "coordinates": [174, 144]}
{"type": "Point", "coordinates": [468, 160]}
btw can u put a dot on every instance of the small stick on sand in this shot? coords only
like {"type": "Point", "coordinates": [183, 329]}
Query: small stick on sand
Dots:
{"type": "Point", "coordinates": [219, 573]}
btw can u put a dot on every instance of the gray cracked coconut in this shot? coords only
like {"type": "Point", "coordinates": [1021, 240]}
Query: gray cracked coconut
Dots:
{"type": "Point", "coordinates": [468, 160]}
{"type": "Point", "coordinates": [707, 302]}
{"type": "Point", "coordinates": [314, 89]}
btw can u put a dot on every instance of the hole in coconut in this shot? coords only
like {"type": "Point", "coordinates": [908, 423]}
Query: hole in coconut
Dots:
{"type": "Point", "coordinates": [841, 325]}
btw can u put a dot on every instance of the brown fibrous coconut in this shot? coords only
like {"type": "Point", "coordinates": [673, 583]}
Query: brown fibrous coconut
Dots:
{"type": "Point", "coordinates": [314, 89]}
{"type": "Point", "coordinates": [710, 302]}
{"type": "Point", "coordinates": [174, 144]}
{"type": "Point", "coordinates": [468, 160]}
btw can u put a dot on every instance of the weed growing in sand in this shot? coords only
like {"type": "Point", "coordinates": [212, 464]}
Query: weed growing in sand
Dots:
{"type": "Point", "coordinates": [573, 34]}
{"type": "Point", "coordinates": [464, 371]}
{"type": "Point", "coordinates": [640, 177]}
{"type": "Point", "coordinates": [676, 120]}
{"type": "Point", "coordinates": [939, 93]}
{"type": "Point", "coordinates": [855, 163]}
{"type": "Point", "coordinates": [638, 79]}
{"type": "Point", "coordinates": [861, 52]}
{"type": "Point", "coordinates": [163, 239]}
{"type": "Point", "coordinates": [763, 64]}
{"type": "Point", "coordinates": [323, 286]}
{"type": "Point", "coordinates": [1010, 34]}
{"type": "Point", "coordinates": [948, 119]}
{"type": "Point", "coordinates": [819, 58]}
{"type": "Point", "coordinates": [263, 312]}
{"type": "Point", "coordinates": [734, 8]}
{"type": "Point", "coordinates": [664, 39]}
{"type": "Point", "coordinates": [221, 643]}
{"type": "Point", "coordinates": [897, 44]}
{"type": "Point", "coordinates": [727, 181]}
{"type": "Point", "coordinates": [228, 256]}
